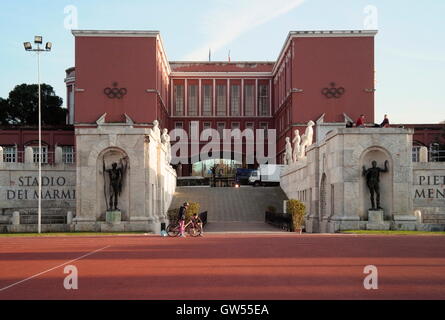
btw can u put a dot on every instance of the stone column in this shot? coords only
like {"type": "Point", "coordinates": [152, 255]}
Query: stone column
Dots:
{"type": "Point", "coordinates": [29, 155]}
{"type": "Point", "coordinates": [58, 155]}
{"type": "Point", "coordinates": [1, 155]}
{"type": "Point", "coordinates": [69, 217]}
{"type": "Point", "coordinates": [15, 218]}
{"type": "Point", "coordinates": [423, 154]}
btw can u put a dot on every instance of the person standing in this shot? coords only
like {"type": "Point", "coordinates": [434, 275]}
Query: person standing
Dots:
{"type": "Point", "coordinates": [181, 218]}
{"type": "Point", "coordinates": [360, 123]}
{"type": "Point", "coordinates": [385, 122]}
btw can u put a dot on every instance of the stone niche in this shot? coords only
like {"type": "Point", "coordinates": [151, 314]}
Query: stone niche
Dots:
{"type": "Point", "coordinates": [110, 156]}
{"type": "Point", "coordinates": [380, 155]}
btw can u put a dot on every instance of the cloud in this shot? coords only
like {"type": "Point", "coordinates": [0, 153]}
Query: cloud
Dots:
{"type": "Point", "coordinates": [231, 18]}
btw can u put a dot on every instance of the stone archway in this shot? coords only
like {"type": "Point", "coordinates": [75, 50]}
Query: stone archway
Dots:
{"type": "Point", "coordinates": [379, 155]}
{"type": "Point", "coordinates": [109, 156]}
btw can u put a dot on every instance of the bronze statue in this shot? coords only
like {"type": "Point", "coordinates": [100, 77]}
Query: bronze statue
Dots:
{"type": "Point", "coordinates": [372, 181]}
{"type": "Point", "coordinates": [116, 175]}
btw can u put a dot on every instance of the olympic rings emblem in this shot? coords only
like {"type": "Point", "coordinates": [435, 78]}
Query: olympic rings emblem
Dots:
{"type": "Point", "coordinates": [115, 92]}
{"type": "Point", "coordinates": [333, 92]}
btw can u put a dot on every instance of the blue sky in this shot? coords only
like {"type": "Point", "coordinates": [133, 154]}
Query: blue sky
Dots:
{"type": "Point", "coordinates": [410, 46]}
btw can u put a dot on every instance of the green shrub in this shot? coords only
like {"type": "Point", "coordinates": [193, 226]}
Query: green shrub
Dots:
{"type": "Point", "coordinates": [298, 210]}
{"type": "Point", "coordinates": [192, 209]}
{"type": "Point", "coordinates": [172, 214]}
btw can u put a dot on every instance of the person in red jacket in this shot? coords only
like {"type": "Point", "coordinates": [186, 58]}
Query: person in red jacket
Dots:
{"type": "Point", "coordinates": [360, 123]}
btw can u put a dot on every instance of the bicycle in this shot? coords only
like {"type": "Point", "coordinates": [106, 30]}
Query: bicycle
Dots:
{"type": "Point", "coordinates": [193, 229]}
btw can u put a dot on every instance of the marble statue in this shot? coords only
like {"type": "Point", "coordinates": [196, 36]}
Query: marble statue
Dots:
{"type": "Point", "coordinates": [165, 140]}
{"type": "Point", "coordinates": [156, 131]}
{"type": "Point", "coordinates": [296, 143]}
{"type": "Point", "coordinates": [288, 152]}
{"type": "Point", "coordinates": [307, 138]}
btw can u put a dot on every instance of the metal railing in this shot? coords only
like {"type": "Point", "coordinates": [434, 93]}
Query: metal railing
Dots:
{"type": "Point", "coordinates": [435, 154]}
{"type": "Point", "coordinates": [31, 218]}
{"type": "Point", "coordinates": [48, 157]}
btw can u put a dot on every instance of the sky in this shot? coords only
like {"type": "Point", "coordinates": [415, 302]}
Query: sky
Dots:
{"type": "Point", "coordinates": [409, 48]}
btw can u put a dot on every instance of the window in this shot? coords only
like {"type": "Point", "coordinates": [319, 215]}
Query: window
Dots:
{"type": "Point", "coordinates": [221, 127]}
{"type": "Point", "coordinates": [68, 154]}
{"type": "Point", "coordinates": [179, 100]}
{"type": "Point", "coordinates": [10, 154]}
{"type": "Point", "coordinates": [193, 124]}
{"type": "Point", "coordinates": [249, 126]}
{"type": "Point", "coordinates": [263, 100]}
{"type": "Point", "coordinates": [221, 98]}
{"type": "Point", "coordinates": [416, 153]}
{"type": "Point", "coordinates": [207, 100]}
{"type": "Point", "coordinates": [206, 125]}
{"type": "Point", "coordinates": [235, 100]}
{"type": "Point", "coordinates": [235, 125]}
{"type": "Point", "coordinates": [192, 107]}
{"type": "Point", "coordinates": [35, 156]}
{"type": "Point", "coordinates": [249, 100]}
{"type": "Point", "coordinates": [180, 125]}
{"type": "Point", "coordinates": [264, 126]}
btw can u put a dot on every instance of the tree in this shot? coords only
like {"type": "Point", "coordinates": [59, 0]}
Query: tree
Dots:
{"type": "Point", "coordinates": [4, 111]}
{"type": "Point", "coordinates": [23, 106]}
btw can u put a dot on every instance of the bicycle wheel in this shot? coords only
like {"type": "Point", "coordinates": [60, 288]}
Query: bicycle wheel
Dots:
{"type": "Point", "coordinates": [194, 231]}
{"type": "Point", "coordinates": [173, 230]}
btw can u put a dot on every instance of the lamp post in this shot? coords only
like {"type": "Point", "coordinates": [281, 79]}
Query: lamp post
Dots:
{"type": "Point", "coordinates": [38, 40]}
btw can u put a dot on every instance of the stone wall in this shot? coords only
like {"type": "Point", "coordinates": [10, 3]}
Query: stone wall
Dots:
{"type": "Point", "coordinates": [330, 182]}
{"type": "Point", "coordinates": [76, 197]}
{"type": "Point", "coordinates": [19, 193]}
{"type": "Point", "coordinates": [148, 185]}
{"type": "Point", "coordinates": [429, 191]}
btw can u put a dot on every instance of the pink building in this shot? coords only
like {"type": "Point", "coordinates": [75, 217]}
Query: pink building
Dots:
{"type": "Point", "coordinates": [283, 95]}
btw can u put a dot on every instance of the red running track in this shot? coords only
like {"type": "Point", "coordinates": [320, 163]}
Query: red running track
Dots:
{"type": "Point", "coordinates": [224, 266]}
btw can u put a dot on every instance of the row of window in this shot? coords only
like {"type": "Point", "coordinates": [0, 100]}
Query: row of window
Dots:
{"type": "Point", "coordinates": [221, 101]}
{"type": "Point", "coordinates": [11, 154]}
{"type": "Point", "coordinates": [220, 126]}
{"type": "Point", "coordinates": [435, 153]}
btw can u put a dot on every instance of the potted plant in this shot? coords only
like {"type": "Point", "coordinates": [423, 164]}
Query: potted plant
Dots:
{"type": "Point", "coordinates": [297, 210]}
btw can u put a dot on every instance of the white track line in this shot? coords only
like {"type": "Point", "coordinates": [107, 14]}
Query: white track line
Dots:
{"type": "Point", "coordinates": [60, 265]}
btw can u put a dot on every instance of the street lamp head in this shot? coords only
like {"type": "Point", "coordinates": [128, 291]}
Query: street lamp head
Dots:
{"type": "Point", "coordinates": [48, 46]}
{"type": "Point", "coordinates": [27, 46]}
{"type": "Point", "coordinates": [38, 39]}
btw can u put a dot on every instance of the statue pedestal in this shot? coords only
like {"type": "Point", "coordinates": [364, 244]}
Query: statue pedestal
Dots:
{"type": "Point", "coordinates": [376, 221]}
{"type": "Point", "coordinates": [375, 216]}
{"type": "Point", "coordinates": [113, 217]}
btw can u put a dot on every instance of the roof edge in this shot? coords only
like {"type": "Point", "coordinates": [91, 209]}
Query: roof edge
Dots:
{"type": "Point", "coordinates": [115, 33]}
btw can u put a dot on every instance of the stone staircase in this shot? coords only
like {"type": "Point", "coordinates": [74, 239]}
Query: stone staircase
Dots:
{"type": "Point", "coordinates": [233, 209]}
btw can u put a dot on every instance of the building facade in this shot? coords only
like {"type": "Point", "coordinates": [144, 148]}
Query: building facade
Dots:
{"type": "Point", "coordinates": [323, 76]}
{"type": "Point", "coordinates": [282, 95]}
